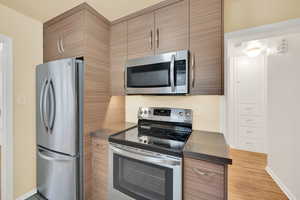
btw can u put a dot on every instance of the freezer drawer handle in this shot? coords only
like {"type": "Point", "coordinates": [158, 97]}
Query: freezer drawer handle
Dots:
{"type": "Point", "coordinates": [52, 158]}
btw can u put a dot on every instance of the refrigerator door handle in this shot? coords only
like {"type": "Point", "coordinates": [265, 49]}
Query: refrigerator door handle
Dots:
{"type": "Point", "coordinates": [52, 105]}
{"type": "Point", "coordinates": [43, 96]}
{"type": "Point", "coordinates": [47, 155]}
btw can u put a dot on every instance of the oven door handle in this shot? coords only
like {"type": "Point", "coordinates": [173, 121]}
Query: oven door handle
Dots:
{"type": "Point", "coordinates": [145, 157]}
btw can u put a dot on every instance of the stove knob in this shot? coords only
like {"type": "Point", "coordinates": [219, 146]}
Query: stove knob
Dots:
{"type": "Point", "coordinates": [149, 112]}
{"type": "Point", "coordinates": [145, 112]}
{"type": "Point", "coordinates": [180, 114]}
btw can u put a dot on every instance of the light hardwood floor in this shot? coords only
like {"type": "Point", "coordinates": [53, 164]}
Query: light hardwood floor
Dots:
{"type": "Point", "coordinates": [248, 179]}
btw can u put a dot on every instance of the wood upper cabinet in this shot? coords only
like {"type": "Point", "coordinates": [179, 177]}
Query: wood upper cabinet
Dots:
{"type": "Point", "coordinates": [171, 28]}
{"type": "Point", "coordinates": [161, 31]}
{"type": "Point", "coordinates": [141, 36]}
{"type": "Point", "coordinates": [51, 43]}
{"type": "Point", "coordinates": [118, 57]}
{"type": "Point", "coordinates": [196, 25]}
{"type": "Point", "coordinates": [206, 44]}
{"type": "Point", "coordinates": [204, 180]}
{"type": "Point", "coordinates": [64, 38]}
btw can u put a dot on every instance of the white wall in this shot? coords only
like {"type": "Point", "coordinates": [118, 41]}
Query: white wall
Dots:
{"type": "Point", "coordinates": [27, 40]}
{"type": "Point", "coordinates": [284, 117]}
{"type": "Point", "coordinates": [207, 109]}
{"type": "Point", "coordinates": [1, 96]}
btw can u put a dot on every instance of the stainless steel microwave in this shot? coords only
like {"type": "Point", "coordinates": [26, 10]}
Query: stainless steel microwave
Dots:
{"type": "Point", "coordinates": [161, 74]}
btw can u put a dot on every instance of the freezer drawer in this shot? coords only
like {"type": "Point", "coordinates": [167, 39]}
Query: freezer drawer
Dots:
{"type": "Point", "coordinates": [57, 175]}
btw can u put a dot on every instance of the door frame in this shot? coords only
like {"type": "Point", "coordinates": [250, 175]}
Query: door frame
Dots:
{"type": "Point", "coordinates": [7, 136]}
{"type": "Point", "coordinates": [256, 33]}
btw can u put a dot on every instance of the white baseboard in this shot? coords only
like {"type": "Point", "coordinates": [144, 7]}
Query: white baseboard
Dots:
{"type": "Point", "coordinates": [282, 186]}
{"type": "Point", "coordinates": [27, 195]}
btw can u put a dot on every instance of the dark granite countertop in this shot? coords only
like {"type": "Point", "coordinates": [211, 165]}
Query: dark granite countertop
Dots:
{"type": "Point", "coordinates": [209, 146]}
{"type": "Point", "coordinates": [116, 128]}
{"type": "Point", "coordinates": [203, 145]}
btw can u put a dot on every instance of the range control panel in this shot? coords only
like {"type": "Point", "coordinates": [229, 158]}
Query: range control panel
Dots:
{"type": "Point", "coordinates": [166, 114]}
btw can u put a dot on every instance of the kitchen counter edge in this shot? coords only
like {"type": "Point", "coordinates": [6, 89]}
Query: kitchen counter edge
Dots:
{"type": "Point", "coordinates": [105, 132]}
{"type": "Point", "coordinates": [207, 146]}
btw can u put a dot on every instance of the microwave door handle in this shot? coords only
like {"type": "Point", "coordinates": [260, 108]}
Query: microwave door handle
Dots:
{"type": "Point", "coordinates": [125, 78]}
{"type": "Point", "coordinates": [172, 73]}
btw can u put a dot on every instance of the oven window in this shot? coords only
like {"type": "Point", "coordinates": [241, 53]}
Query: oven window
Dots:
{"type": "Point", "coordinates": [141, 180]}
{"type": "Point", "coordinates": [154, 75]}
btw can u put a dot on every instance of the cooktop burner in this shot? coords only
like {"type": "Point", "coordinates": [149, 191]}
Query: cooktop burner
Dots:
{"type": "Point", "coordinates": [160, 130]}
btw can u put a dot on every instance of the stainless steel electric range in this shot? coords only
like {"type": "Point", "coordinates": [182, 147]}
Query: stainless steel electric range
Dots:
{"type": "Point", "coordinates": [145, 163]}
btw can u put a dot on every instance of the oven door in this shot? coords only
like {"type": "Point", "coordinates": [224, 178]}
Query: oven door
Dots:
{"type": "Point", "coordinates": [143, 175]}
{"type": "Point", "coordinates": [161, 74]}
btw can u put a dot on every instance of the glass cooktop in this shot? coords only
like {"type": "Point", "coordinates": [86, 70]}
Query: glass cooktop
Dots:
{"type": "Point", "coordinates": [156, 137]}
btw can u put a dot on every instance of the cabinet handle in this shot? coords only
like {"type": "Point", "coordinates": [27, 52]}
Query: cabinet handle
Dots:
{"type": "Point", "coordinates": [157, 38]}
{"type": "Point", "coordinates": [151, 39]}
{"type": "Point", "coordinates": [62, 45]}
{"type": "Point", "coordinates": [58, 46]}
{"type": "Point", "coordinates": [100, 146]}
{"type": "Point", "coordinates": [201, 173]}
{"type": "Point", "coordinates": [193, 70]}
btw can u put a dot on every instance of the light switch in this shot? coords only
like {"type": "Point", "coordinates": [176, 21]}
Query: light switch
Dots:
{"type": "Point", "coordinates": [21, 100]}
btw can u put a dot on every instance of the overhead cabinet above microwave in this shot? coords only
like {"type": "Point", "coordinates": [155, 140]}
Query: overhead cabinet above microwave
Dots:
{"type": "Point", "coordinates": [195, 25]}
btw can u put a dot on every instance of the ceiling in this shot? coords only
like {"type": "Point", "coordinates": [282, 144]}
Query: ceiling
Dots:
{"type": "Point", "coordinates": [43, 10]}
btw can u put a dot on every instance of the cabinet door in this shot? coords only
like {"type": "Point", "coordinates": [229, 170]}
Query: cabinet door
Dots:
{"type": "Point", "coordinates": [118, 57]}
{"type": "Point", "coordinates": [51, 43]}
{"type": "Point", "coordinates": [204, 180]}
{"type": "Point", "coordinates": [206, 43]}
{"type": "Point", "coordinates": [171, 28]}
{"type": "Point", "coordinates": [100, 169]}
{"type": "Point", "coordinates": [141, 36]}
{"type": "Point", "coordinates": [72, 38]}
{"type": "Point", "coordinates": [64, 38]}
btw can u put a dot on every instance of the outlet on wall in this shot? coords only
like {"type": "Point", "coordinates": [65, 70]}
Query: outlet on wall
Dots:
{"type": "Point", "coordinates": [22, 100]}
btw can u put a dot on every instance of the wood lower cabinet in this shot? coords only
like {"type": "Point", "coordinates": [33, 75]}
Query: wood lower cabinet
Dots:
{"type": "Point", "coordinates": [118, 57]}
{"type": "Point", "coordinates": [206, 47]}
{"type": "Point", "coordinates": [141, 36]}
{"type": "Point", "coordinates": [204, 180]}
{"type": "Point", "coordinates": [172, 27]}
{"type": "Point", "coordinates": [100, 169]}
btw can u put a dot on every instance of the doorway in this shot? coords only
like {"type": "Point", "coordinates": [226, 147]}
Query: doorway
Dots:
{"type": "Point", "coordinates": [6, 119]}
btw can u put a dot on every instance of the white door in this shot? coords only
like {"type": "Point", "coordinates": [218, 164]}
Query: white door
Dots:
{"type": "Point", "coordinates": [250, 89]}
{"type": "Point", "coordinates": [1, 97]}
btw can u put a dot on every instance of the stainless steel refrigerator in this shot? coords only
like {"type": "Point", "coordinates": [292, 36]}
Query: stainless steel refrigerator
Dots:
{"type": "Point", "coordinates": [59, 129]}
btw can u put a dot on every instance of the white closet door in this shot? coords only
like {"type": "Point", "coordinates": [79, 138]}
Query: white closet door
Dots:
{"type": "Point", "coordinates": [1, 99]}
{"type": "Point", "coordinates": [250, 91]}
